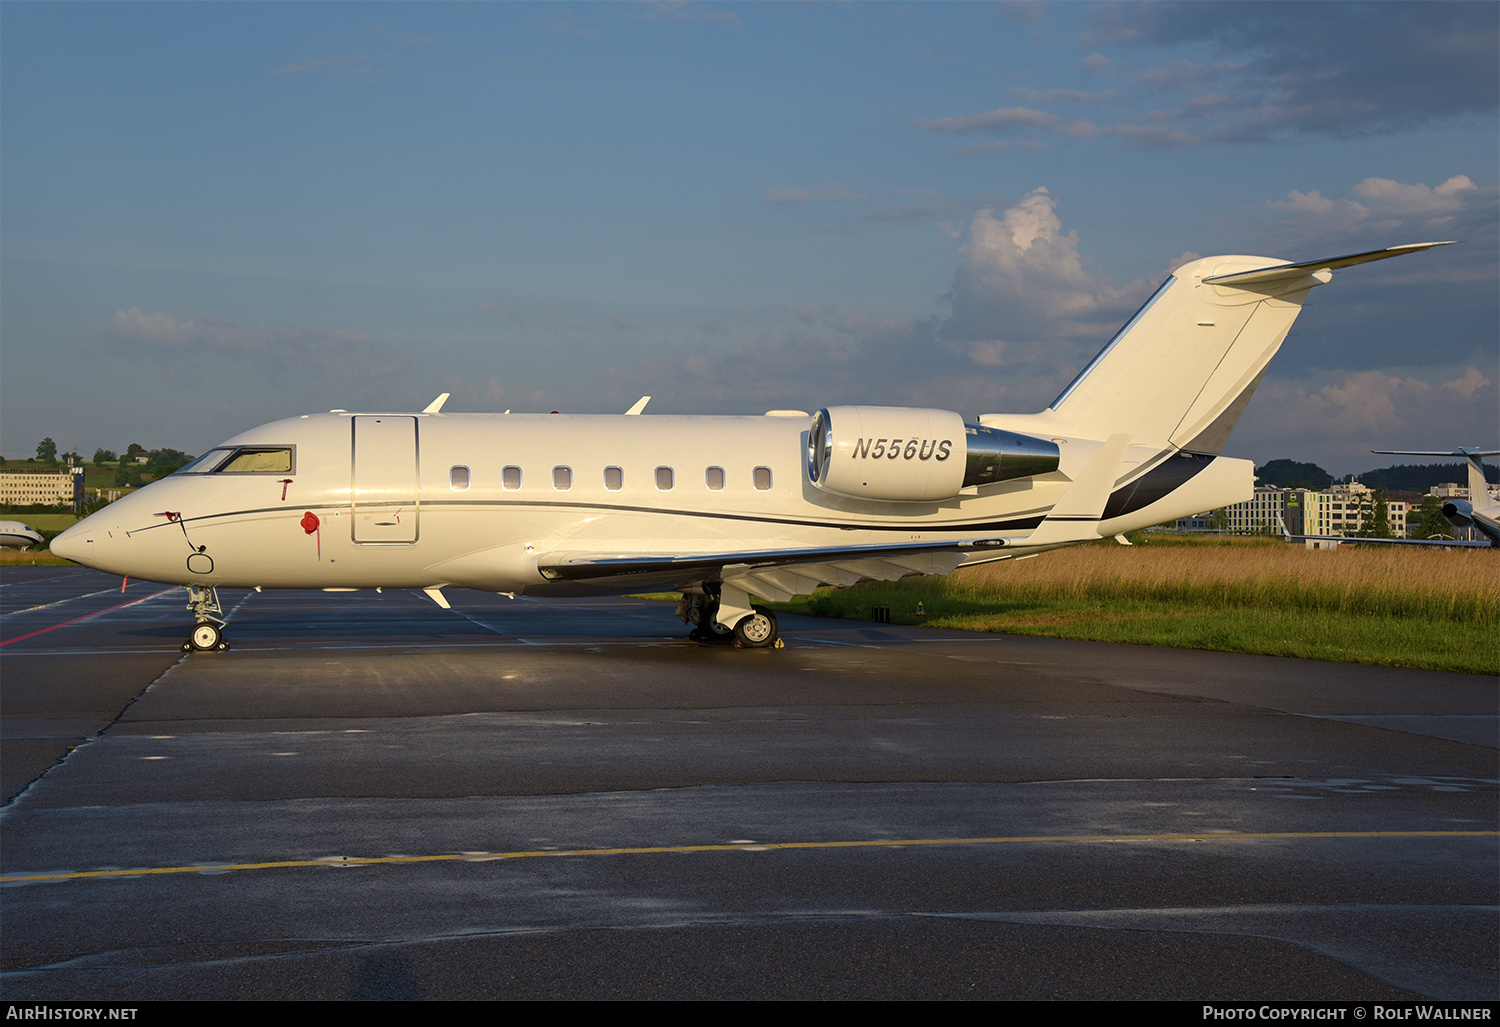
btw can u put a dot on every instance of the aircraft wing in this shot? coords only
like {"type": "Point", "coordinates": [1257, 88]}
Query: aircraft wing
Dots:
{"type": "Point", "coordinates": [774, 574]}
{"type": "Point", "coordinates": [1356, 539]}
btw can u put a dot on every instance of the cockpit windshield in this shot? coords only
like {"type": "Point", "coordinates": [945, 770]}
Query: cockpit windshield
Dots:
{"type": "Point", "coordinates": [243, 460]}
{"type": "Point", "coordinates": [205, 463]}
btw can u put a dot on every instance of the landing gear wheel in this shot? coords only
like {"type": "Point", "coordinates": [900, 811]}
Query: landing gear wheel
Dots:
{"type": "Point", "coordinates": [757, 631]}
{"type": "Point", "coordinates": [206, 637]}
{"type": "Point", "coordinates": [712, 633]}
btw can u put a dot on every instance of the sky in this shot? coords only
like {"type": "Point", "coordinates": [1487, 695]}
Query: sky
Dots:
{"type": "Point", "coordinates": [216, 215]}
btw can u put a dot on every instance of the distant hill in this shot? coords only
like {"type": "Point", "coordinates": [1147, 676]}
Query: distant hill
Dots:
{"type": "Point", "coordinates": [1289, 474]}
{"type": "Point", "coordinates": [1421, 477]}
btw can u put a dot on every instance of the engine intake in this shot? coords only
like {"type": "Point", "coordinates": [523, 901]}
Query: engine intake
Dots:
{"type": "Point", "coordinates": [915, 455]}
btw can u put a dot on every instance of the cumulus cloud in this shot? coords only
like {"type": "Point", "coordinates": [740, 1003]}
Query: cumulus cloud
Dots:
{"type": "Point", "coordinates": [1344, 415]}
{"type": "Point", "coordinates": [1320, 69]}
{"type": "Point", "coordinates": [274, 352]}
{"type": "Point", "coordinates": [1022, 277]}
{"type": "Point", "coordinates": [1393, 198]}
{"type": "Point", "coordinates": [1021, 126]}
{"type": "Point", "coordinates": [1026, 312]}
{"type": "Point", "coordinates": [1382, 209]}
{"type": "Point", "coordinates": [1001, 118]}
{"type": "Point", "coordinates": [1261, 73]}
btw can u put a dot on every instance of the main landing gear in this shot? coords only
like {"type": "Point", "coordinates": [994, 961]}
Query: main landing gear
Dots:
{"type": "Point", "coordinates": [754, 627]}
{"type": "Point", "coordinates": [208, 633]}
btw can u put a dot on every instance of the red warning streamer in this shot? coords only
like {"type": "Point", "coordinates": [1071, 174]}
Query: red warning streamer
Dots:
{"type": "Point", "coordinates": [310, 524]}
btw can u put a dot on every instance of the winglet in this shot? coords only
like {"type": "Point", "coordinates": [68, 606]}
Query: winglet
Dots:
{"type": "Point", "coordinates": [640, 405]}
{"type": "Point", "coordinates": [437, 404]}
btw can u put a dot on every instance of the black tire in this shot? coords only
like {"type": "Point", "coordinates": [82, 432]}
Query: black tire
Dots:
{"type": "Point", "coordinates": [757, 631]}
{"type": "Point", "coordinates": [713, 634]}
{"type": "Point", "coordinates": [206, 636]}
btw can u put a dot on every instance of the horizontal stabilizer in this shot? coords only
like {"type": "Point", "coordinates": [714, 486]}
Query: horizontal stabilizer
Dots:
{"type": "Point", "coordinates": [1466, 452]}
{"type": "Point", "coordinates": [1283, 272]}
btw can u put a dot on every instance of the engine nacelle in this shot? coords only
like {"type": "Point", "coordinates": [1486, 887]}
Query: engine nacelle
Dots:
{"type": "Point", "coordinates": [914, 455]}
{"type": "Point", "coordinates": [1459, 513]}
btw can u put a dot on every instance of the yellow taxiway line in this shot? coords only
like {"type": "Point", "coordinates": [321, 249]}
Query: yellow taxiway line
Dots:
{"type": "Point", "coordinates": [746, 846]}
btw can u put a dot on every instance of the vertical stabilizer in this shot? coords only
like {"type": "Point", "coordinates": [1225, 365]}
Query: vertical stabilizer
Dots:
{"type": "Point", "coordinates": [1183, 369]}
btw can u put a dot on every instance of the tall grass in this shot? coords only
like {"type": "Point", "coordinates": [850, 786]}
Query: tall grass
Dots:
{"type": "Point", "coordinates": [1407, 606]}
{"type": "Point", "coordinates": [1427, 583]}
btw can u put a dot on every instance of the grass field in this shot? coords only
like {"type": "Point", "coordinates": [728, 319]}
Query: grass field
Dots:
{"type": "Point", "coordinates": [46, 523]}
{"type": "Point", "coordinates": [50, 525]}
{"type": "Point", "coordinates": [32, 558]}
{"type": "Point", "coordinates": [1398, 606]}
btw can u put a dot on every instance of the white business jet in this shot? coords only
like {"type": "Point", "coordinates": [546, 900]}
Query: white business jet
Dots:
{"type": "Point", "coordinates": [722, 508]}
{"type": "Point", "coordinates": [14, 534]}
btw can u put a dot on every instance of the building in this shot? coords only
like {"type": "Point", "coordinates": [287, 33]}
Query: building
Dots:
{"type": "Point", "coordinates": [1453, 490]}
{"type": "Point", "coordinates": [50, 487]}
{"type": "Point", "coordinates": [1353, 507]}
{"type": "Point", "coordinates": [1340, 510]}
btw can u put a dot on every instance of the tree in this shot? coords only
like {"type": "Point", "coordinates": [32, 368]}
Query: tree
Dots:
{"type": "Point", "coordinates": [1290, 473]}
{"type": "Point", "coordinates": [165, 461]}
{"type": "Point", "coordinates": [1429, 519]}
{"type": "Point", "coordinates": [104, 456]}
{"type": "Point", "coordinates": [1380, 517]}
{"type": "Point", "coordinates": [47, 450]}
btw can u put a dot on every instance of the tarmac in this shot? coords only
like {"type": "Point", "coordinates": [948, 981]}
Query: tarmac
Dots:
{"type": "Point", "coordinates": [370, 797]}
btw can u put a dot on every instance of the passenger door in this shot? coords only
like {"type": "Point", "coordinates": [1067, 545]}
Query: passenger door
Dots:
{"type": "Point", "coordinates": [385, 479]}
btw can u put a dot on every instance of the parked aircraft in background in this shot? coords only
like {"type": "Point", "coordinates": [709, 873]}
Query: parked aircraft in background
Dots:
{"type": "Point", "coordinates": [723, 508]}
{"type": "Point", "coordinates": [1479, 511]}
{"type": "Point", "coordinates": [1461, 513]}
{"type": "Point", "coordinates": [14, 534]}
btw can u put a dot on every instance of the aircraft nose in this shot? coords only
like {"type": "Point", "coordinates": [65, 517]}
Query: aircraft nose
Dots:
{"type": "Point", "coordinates": [75, 544]}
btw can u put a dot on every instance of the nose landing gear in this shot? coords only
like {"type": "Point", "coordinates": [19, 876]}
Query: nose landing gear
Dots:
{"type": "Point", "coordinates": [208, 633]}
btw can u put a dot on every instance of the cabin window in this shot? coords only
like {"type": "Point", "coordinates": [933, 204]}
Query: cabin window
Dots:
{"type": "Point", "coordinates": [510, 478]}
{"type": "Point", "coordinates": [715, 478]}
{"type": "Point", "coordinates": [762, 478]}
{"type": "Point", "coordinates": [614, 479]}
{"type": "Point", "coordinates": [664, 479]}
{"type": "Point", "coordinates": [458, 478]}
{"type": "Point", "coordinates": [562, 478]}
